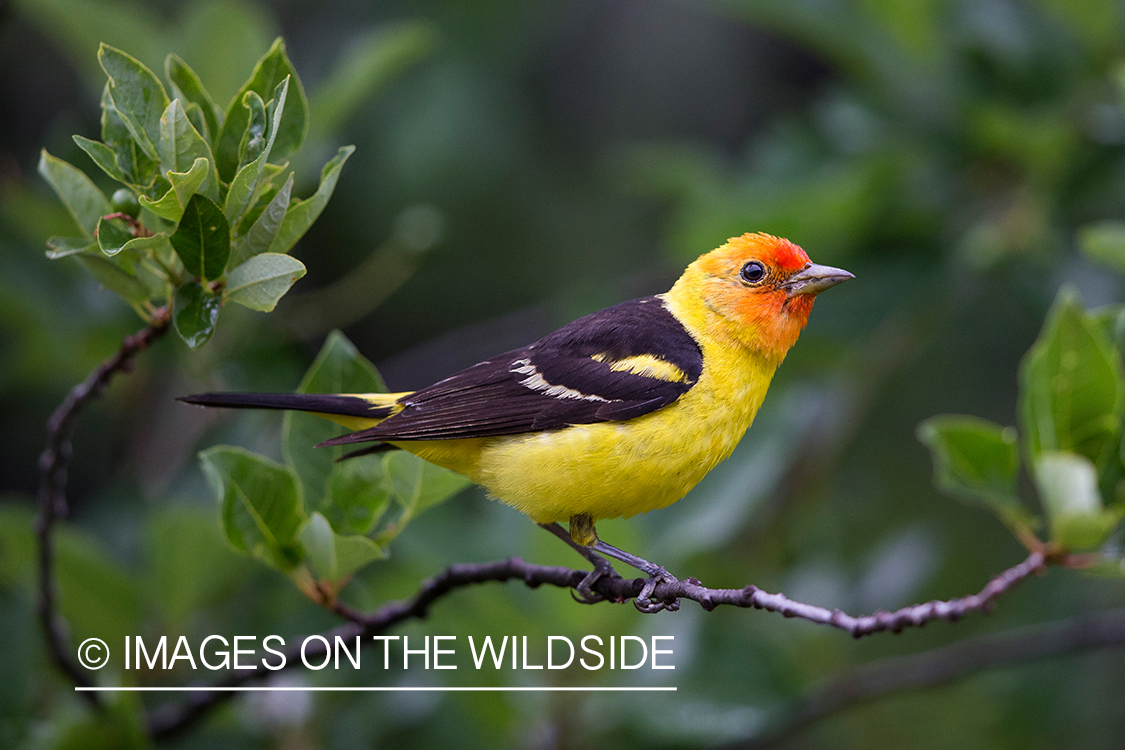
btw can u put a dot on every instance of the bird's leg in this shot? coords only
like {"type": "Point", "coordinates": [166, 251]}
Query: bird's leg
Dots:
{"type": "Point", "coordinates": [601, 565]}
{"type": "Point", "coordinates": [583, 534]}
{"type": "Point", "coordinates": [656, 575]}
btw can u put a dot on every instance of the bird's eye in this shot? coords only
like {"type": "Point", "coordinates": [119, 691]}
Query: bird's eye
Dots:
{"type": "Point", "coordinates": [753, 272]}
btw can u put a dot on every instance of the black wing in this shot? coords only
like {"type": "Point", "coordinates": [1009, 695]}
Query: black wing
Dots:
{"type": "Point", "coordinates": [612, 365]}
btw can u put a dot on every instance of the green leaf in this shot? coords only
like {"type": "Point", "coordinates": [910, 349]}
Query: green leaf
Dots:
{"type": "Point", "coordinates": [82, 198]}
{"type": "Point", "coordinates": [112, 236]}
{"type": "Point", "coordinates": [187, 86]}
{"type": "Point", "coordinates": [267, 188]}
{"type": "Point", "coordinates": [318, 543]}
{"type": "Point", "coordinates": [60, 247]}
{"type": "Point", "coordinates": [241, 190]}
{"type": "Point", "coordinates": [202, 240]}
{"type": "Point", "coordinates": [264, 279]}
{"type": "Point", "coordinates": [338, 368]}
{"type": "Point", "coordinates": [1070, 386]}
{"type": "Point", "coordinates": [369, 63]}
{"type": "Point", "coordinates": [195, 312]}
{"type": "Point", "coordinates": [115, 278]}
{"type": "Point", "coordinates": [418, 484]}
{"type": "Point", "coordinates": [353, 552]}
{"type": "Point", "coordinates": [195, 116]}
{"type": "Point", "coordinates": [246, 181]}
{"type": "Point", "coordinates": [975, 460]}
{"type": "Point", "coordinates": [261, 233]}
{"type": "Point", "coordinates": [332, 557]}
{"type": "Point", "coordinates": [302, 214]}
{"type": "Point", "coordinates": [181, 147]}
{"type": "Point", "coordinates": [254, 137]}
{"type": "Point", "coordinates": [358, 494]}
{"type": "Point", "coordinates": [158, 243]}
{"type": "Point", "coordinates": [1068, 485]}
{"type": "Point", "coordinates": [184, 185]}
{"type": "Point", "coordinates": [137, 95]}
{"type": "Point", "coordinates": [270, 71]}
{"type": "Point", "coordinates": [168, 207]}
{"type": "Point", "coordinates": [103, 156]}
{"type": "Point", "coordinates": [1104, 241]}
{"type": "Point", "coordinates": [137, 256]}
{"type": "Point", "coordinates": [139, 169]}
{"type": "Point", "coordinates": [260, 504]}
{"type": "Point", "coordinates": [127, 268]}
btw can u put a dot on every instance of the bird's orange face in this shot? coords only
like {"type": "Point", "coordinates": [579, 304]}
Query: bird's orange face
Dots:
{"type": "Point", "coordinates": [763, 288]}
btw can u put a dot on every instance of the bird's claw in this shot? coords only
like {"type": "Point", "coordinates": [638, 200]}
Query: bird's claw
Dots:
{"type": "Point", "coordinates": [585, 592]}
{"type": "Point", "coordinates": [645, 604]}
{"type": "Point", "coordinates": [585, 587]}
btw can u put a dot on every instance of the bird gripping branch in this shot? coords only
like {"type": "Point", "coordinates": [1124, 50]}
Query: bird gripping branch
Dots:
{"type": "Point", "coordinates": [620, 412]}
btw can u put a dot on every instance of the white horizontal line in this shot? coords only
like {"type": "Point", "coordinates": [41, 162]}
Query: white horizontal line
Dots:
{"type": "Point", "coordinates": [378, 689]}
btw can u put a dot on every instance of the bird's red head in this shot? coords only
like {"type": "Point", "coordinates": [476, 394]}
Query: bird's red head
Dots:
{"type": "Point", "coordinates": [759, 290]}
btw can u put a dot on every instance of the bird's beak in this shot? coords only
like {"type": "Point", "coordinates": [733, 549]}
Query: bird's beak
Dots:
{"type": "Point", "coordinates": [815, 279]}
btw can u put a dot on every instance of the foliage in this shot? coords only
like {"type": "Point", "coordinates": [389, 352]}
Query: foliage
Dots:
{"type": "Point", "coordinates": [205, 215]}
{"type": "Point", "coordinates": [318, 517]}
{"type": "Point", "coordinates": [1071, 398]}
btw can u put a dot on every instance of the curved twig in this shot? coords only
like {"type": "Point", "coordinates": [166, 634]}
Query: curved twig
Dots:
{"type": "Point", "coordinates": [53, 464]}
{"type": "Point", "coordinates": [171, 719]}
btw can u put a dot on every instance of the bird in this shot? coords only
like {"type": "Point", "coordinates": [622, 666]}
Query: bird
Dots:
{"type": "Point", "coordinates": [620, 412]}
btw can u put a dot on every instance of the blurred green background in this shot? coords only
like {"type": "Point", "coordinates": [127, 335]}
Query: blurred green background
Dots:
{"type": "Point", "coordinates": [526, 163]}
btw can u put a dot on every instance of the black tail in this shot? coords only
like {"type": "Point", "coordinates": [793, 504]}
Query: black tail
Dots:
{"type": "Point", "coordinates": [377, 448]}
{"type": "Point", "coordinates": [352, 406]}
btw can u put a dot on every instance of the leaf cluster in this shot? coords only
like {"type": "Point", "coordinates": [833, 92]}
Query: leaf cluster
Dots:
{"type": "Point", "coordinates": [1070, 438]}
{"type": "Point", "coordinates": [205, 213]}
{"type": "Point", "coordinates": [316, 517]}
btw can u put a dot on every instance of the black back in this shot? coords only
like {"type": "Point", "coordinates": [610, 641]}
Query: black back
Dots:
{"type": "Point", "coordinates": [554, 382]}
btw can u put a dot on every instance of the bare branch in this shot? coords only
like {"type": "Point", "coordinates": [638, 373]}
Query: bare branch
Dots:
{"type": "Point", "coordinates": [914, 616]}
{"type": "Point", "coordinates": [53, 464]}
{"type": "Point", "coordinates": [946, 664]}
{"type": "Point", "coordinates": [172, 719]}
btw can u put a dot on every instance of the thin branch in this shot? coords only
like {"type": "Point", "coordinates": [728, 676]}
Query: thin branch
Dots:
{"type": "Point", "coordinates": [172, 719]}
{"type": "Point", "coordinates": [946, 664]}
{"type": "Point", "coordinates": [913, 616]}
{"type": "Point", "coordinates": [53, 463]}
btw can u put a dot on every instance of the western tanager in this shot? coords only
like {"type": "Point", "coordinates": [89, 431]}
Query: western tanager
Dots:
{"type": "Point", "coordinates": [620, 412]}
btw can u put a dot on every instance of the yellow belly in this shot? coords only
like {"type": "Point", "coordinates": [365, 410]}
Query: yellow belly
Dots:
{"type": "Point", "coordinates": [615, 469]}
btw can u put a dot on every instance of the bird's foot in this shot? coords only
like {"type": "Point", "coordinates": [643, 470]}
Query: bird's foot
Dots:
{"type": "Point", "coordinates": [644, 603]}
{"type": "Point", "coordinates": [656, 576]}
{"type": "Point", "coordinates": [583, 539]}
{"type": "Point", "coordinates": [585, 587]}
